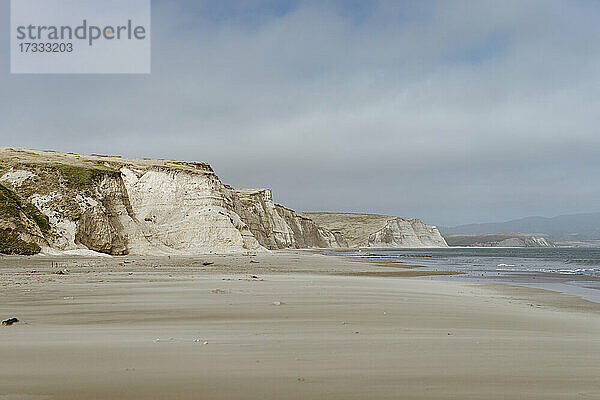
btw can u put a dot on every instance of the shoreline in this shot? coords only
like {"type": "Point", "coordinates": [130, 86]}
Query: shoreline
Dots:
{"type": "Point", "coordinates": [284, 325]}
{"type": "Point", "coordinates": [357, 265]}
{"type": "Point", "coordinates": [582, 285]}
{"type": "Point", "coordinates": [374, 266]}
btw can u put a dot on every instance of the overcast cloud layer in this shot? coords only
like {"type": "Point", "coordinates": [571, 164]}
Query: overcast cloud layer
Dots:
{"type": "Point", "coordinates": [452, 111]}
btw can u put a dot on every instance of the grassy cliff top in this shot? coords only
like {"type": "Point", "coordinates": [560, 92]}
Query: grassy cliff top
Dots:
{"type": "Point", "coordinates": [13, 157]}
{"type": "Point", "coordinates": [356, 228]}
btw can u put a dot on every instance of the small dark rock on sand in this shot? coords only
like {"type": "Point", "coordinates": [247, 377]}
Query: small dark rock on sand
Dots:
{"type": "Point", "coordinates": [62, 272]}
{"type": "Point", "coordinates": [10, 321]}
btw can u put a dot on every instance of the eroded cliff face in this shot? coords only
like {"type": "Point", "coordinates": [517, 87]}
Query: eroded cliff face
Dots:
{"type": "Point", "coordinates": [189, 211]}
{"type": "Point", "coordinates": [374, 230]}
{"type": "Point", "coordinates": [307, 234]}
{"type": "Point", "coordinates": [278, 227]}
{"type": "Point", "coordinates": [144, 207]}
{"type": "Point", "coordinates": [407, 232]}
{"type": "Point", "coordinates": [256, 208]}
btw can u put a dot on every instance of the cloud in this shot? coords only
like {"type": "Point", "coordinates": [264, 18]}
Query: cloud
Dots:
{"type": "Point", "coordinates": [454, 111]}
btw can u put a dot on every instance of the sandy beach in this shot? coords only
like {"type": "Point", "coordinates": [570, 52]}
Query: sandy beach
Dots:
{"type": "Point", "coordinates": [287, 325]}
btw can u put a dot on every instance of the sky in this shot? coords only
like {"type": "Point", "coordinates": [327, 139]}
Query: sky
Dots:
{"type": "Point", "coordinates": [450, 111]}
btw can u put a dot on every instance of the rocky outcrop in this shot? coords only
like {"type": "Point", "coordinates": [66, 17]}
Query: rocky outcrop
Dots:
{"type": "Point", "coordinates": [256, 208]}
{"type": "Point", "coordinates": [306, 233]}
{"type": "Point", "coordinates": [407, 232]}
{"type": "Point", "coordinates": [498, 240]}
{"type": "Point", "coordinates": [374, 230]}
{"type": "Point", "coordinates": [278, 227]}
{"type": "Point", "coordinates": [121, 206]}
{"type": "Point", "coordinates": [96, 232]}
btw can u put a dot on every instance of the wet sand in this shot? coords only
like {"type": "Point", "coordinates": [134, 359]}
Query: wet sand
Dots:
{"type": "Point", "coordinates": [291, 325]}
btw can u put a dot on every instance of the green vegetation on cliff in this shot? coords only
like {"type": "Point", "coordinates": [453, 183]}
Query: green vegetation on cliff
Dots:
{"type": "Point", "coordinates": [40, 219]}
{"type": "Point", "coordinates": [10, 243]}
{"type": "Point", "coordinates": [11, 208]}
{"type": "Point", "coordinates": [13, 212]}
{"type": "Point", "coordinates": [10, 205]}
{"type": "Point", "coordinates": [78, 177]}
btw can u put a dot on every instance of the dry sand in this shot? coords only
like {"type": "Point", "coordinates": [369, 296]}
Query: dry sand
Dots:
{"type": "Point", "coordinates": [335, 333]}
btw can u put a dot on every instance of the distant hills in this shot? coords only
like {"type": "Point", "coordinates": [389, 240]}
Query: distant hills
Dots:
{"type": "Point", "coordinates": [564, 228]}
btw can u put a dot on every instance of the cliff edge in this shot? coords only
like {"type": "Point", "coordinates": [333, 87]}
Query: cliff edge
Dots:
{"type": "Point", "coordinates": [373, 230]}
{"type": "Point", "coordinates": [59, 202]}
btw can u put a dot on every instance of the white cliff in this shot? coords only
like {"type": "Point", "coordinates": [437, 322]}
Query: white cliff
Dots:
{"type": "Point", "coordinates": [407, 232]}
{"type": "Point", "coordinates": [113, 205]}
{"type": "Point", "coordinates": [374, 230]}
{"type": "Point", "coordinates": [187, 211]}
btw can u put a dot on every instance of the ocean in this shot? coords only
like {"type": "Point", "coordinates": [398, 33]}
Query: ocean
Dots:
{"type": "Point", "coordinates": [568, 270]}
